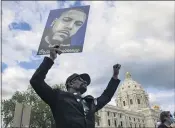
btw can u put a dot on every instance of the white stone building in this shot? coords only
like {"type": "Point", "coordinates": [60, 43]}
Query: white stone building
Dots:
{"type": "Point", "coordinates": [132, 108]}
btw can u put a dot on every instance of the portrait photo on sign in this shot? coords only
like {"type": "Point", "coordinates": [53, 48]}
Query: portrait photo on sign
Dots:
{"type": "Point", "coordinates": [66, 28]}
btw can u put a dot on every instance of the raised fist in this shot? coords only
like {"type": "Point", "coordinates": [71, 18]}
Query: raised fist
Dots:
{"type": "Point", "coordinates": [116, 69]}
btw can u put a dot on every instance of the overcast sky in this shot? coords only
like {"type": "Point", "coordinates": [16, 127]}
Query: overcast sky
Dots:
{"type": "Point", "coordinates": [138, 35]}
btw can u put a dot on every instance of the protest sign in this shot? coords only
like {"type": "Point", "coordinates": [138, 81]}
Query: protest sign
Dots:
{"type": "Point", "coordinates": [65, 27]}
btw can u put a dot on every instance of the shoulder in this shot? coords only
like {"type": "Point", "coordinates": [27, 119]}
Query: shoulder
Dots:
{"type": "Point", "coordinates": [162, 126]}
{"type": "Point", "coordinates": [59, 91]}
{"type": "Point", "coordinates": [89, 97]}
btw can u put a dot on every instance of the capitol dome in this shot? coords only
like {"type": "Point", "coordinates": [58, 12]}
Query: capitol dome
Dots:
{"type": "Point", "coordinates": [129, 85]}
{"type": "Point", "coordinates": [131, 95]}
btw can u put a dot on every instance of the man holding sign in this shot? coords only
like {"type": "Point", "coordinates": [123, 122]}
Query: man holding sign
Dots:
{"type": "Point", "coordinates": [70, 109]}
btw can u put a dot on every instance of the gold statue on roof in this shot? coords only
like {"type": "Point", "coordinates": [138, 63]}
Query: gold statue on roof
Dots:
{"type": "Point", "coordinates": [156, 107]}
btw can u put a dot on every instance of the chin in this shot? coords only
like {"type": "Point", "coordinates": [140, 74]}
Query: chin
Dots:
{"type": "Point", "coordinates": [83, 91]}
{"type": "Point", "coordinates": [55, 42]}
{"type": "Point", "coordinates": [58, 39]}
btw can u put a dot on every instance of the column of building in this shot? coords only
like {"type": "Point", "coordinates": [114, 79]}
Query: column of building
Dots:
{"type": "Point", "coordinates": [103, 121]}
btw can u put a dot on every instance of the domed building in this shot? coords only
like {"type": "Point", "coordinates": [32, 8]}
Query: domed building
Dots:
{"type": "Point", "coordinates": [132, 108]}
{"type": "Point", "coordinates": [131, 95]}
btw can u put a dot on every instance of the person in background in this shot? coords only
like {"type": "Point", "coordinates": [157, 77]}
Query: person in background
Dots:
{"type": "Point", "coordinates": [166, 120]}
{"type": "Point", "coordinates": [157, 124]}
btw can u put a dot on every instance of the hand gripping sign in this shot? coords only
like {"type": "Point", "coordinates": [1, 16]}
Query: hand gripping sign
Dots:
{"type": "Point", "coordinates": [65, 27]}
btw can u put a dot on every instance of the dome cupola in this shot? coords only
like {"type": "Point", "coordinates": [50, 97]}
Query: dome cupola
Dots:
{"type": "Point", "coordinates": [131, 95]}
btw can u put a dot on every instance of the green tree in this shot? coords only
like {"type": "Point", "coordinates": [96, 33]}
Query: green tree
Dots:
{"type": "Point", "coordinates": [39, 108]}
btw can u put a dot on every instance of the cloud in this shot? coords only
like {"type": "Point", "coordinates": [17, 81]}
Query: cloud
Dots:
{"type": "Point", "coordinates": [15, 79]}
{"type": "Point", "coordinates": [156, 74]}
{"type": "Point", "coordinates": [159, 95]}
{"type": "Point", "coordinates": [156, 98]}
{"type": "Point", "coordinates": [141, 40]}
{"type": "Point", "coordinates": [23, 43]}
{"type": "Point", "coordinates": [139, 35]}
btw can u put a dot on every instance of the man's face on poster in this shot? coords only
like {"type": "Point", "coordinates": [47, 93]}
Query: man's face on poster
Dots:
{"type": "Point", "coordinates": [67, 25]}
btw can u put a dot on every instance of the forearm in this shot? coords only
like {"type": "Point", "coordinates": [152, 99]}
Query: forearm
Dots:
{"type": "Point", "coordinates": [37, 82]}
{"type": "Point", "coordinates": [115, 77]}
{"type": "Point", "coordinates": [107, 94]}
{"type": "Point", "coordinates": [111, 88]}
{"type": "Point", "coordinates": [42, 70]}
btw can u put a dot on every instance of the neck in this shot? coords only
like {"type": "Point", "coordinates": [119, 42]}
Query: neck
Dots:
{"type": "Point", "coordinates": [71, 90]}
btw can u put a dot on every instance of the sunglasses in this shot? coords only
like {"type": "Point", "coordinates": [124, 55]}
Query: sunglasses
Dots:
{"type": "Point", "coordinates": [78, 78]}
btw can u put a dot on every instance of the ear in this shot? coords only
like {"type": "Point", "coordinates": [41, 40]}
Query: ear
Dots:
{"type": "Point", "coordinates": [69, 85]}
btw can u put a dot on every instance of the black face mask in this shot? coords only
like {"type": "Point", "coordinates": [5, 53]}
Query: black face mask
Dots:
{"type": "Point", "coordinates": [168, 121]}
{"type": "Point", "coordinates": [79, 85]}
{"type": "Point", "coordinates": [82, 88]}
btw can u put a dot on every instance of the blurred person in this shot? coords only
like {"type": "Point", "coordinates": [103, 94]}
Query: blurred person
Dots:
{"type": "Point", "coordinates": [173, 121]}
{"type": "Point", "coordinates": [157, 124]}
{"type": "Point", "coordinates": [166, 120]}
{"type": "Point", "coordinates": [70, 109]}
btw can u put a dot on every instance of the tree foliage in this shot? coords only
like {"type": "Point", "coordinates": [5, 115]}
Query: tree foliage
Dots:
{"type": "Point", "coordinates": [41, 116]}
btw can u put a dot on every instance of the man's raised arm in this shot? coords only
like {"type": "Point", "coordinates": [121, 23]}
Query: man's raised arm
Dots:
{"type": "Point", "coordinates": [37, 81]}
{"type": "Point", "coordinates": [108, 93]}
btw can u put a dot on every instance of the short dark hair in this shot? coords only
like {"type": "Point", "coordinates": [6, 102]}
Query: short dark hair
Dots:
{"type": "Point", "coordinates": [163, 116]}
{"type": "Point", "coordinates": [68, 85]}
